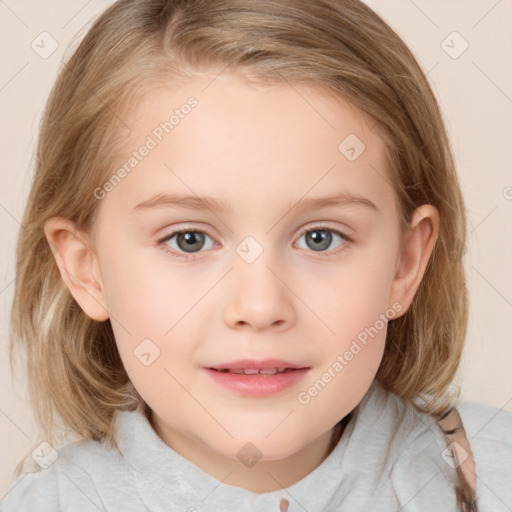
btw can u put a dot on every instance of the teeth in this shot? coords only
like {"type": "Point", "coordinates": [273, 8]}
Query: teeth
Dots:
{"type": "Point", "coordinates": [254, 371]}
{"type": "Point", "coordinates": [249, 371]}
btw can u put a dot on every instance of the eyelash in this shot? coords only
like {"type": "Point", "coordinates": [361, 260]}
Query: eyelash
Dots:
{"type": "Point", "coordinates": [162, 242]}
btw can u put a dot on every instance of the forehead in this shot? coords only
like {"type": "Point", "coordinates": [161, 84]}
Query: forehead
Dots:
{"type": "Point", "coordinates": [222, 136]}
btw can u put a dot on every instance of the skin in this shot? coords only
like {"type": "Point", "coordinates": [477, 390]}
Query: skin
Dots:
{"type": "Point", "coordinates": [260, 149]}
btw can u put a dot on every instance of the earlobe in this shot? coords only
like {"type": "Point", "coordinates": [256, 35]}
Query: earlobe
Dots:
{"type": "Point", "coordinates": [418, 245]}
{"type": "Point", "coordinates": [76, 261]}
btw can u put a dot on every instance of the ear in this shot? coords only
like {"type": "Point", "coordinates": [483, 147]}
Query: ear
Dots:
{"type": "Point", "coordinates": [419, 242]}
{"type": "Point", "coordinates": [78, 265]}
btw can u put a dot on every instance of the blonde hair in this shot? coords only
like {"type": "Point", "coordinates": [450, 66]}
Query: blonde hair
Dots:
{"type": "Point", "coordinates": [341, 46]}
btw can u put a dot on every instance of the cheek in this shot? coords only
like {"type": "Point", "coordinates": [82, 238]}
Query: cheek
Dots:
{"type": "Point", "coordinates": [360, 323]}
{"type": "Point", "coordinates": [353, 296]}
{"type": "Point", "coordinates": [139, 295]}
{"type": "Point", "coordinates": [354, 304]}
{"type": "Point", "coordinates": [351, 357]}
{"type": "Point", "coordinates": [154, 310]}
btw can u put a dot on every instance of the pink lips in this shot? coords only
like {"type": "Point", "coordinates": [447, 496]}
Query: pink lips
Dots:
{"type": "Point", "coordinates": [257, 378]}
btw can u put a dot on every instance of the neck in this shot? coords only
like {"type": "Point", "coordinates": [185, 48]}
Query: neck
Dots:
{"type": "Point", "coordinates": [264, 476]}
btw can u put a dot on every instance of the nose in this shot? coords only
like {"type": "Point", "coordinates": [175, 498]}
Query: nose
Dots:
{"type": "Point", "coordinates": [259, 298]}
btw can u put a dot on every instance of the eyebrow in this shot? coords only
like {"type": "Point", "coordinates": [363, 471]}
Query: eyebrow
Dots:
{"type": "Point", "coordinates": [220, 206]}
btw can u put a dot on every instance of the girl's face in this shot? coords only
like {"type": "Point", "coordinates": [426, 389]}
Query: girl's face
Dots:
{"type": "Point", "coordinates": [292, 261]}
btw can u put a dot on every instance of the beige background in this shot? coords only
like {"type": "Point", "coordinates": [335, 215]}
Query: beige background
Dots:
{"type": "Point", "coordinates": [475, 93]}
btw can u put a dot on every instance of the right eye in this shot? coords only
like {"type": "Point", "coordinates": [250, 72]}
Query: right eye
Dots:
{"type": "Point", "coordinates": [186, 241]}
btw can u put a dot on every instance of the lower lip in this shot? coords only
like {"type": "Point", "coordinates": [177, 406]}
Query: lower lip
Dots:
{"type": "Point", "coordinates": [257, 384]}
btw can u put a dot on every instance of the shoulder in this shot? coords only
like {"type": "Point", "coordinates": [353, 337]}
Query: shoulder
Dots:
{"type": "Point", "coordinates": [486, 423]}
{"type": "Point", "coordinates": [405, 447]}
{"type": "Point", "coordinates": [68, 482]}
{"type": "Point", "coordinates": [425, 468]}
{"type": "Point", "coordinates": [489, 433]}
{"type": "Point", "coordinates": [421, 475]}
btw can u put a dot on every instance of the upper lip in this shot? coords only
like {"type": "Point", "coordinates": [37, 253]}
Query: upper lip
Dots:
{"type": "Point", "coordinates": [264, 364]}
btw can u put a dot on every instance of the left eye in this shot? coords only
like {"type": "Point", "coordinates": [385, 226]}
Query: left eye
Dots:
{"type": "Point", "coordinates": [181, 243]}
{"type": "Point", "coordinates": [320, 238]}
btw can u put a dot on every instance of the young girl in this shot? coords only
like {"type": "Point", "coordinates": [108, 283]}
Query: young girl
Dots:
{"type": "Point", "coordinates": [301, 357]}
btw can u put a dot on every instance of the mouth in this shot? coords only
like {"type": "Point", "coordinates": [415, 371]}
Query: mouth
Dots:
{"type": "Point", "coordinates": [255, 371]}
{"type": "Point", "coordinates": [255, 365]}
{"type": "Point", "coordinates": [257, 378]}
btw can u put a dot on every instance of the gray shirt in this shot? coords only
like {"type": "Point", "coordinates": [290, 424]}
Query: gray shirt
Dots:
{"type": "Point", "coordinates": [390, 457]}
